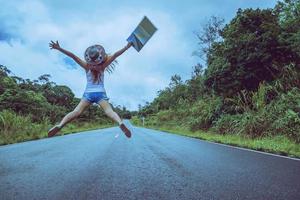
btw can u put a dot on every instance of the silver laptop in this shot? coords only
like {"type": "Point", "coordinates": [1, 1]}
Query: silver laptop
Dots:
{"type": "Point", "coordinates": [143, 32]}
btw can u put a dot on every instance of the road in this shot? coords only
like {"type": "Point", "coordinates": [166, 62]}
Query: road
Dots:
{"type": "Point", "coordinates": [104, 164]}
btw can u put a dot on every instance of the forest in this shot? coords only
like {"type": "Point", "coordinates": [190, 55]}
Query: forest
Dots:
{"type": "Point", "coordinates": [250, 83]}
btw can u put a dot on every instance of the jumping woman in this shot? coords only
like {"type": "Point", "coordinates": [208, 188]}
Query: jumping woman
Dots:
{"type": "Point", "coordinates": [96, 62]}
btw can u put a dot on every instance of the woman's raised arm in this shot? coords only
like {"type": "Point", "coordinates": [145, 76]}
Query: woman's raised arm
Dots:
{"type": "Point", "coordinates": [55, 45]}
{"type": "Point", "coordinates": [111, 58]}
{"type": "Point", "coordinates": [118, 53]}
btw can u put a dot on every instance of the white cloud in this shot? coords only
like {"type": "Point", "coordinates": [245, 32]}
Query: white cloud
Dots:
{"type": "Point", "coordinates": [138, 76]}
{"type": "Point", "coordinates": [135, 80]}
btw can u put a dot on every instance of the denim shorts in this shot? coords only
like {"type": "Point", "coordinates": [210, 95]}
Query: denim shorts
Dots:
{"type": "Point", "coordinates": [94, 97]}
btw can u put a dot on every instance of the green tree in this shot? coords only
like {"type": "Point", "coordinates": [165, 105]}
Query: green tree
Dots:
{"type": "Point", "coordinates": [289, 19]}
{"type": "Point", "coordinates": [249, 54]}
{"type": "Point", "coordinates": [208, 35]}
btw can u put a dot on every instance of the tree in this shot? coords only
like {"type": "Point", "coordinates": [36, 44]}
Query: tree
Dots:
{"type": "Point", "coordinates": [289, 19]}
{"type": "Point", "coordinates": [44, 78]}
{"type": "Point", "coordinates": [198, 70]}
{"type": "Point", "coordinates": [249, 54]}
{"type": "Point", "coordinates": [209, 34]}
{"type": "Point", "coordinates": [4, 71]}
{"type": "Point", "coordinates": [175, 81]}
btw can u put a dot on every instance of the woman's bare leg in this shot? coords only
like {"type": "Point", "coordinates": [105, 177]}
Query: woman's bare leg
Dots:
{"type": "Point", "coordinates": [114, 116]}
{"type": "Point", "coordinates": [109, 111]}
{"type": "Point", "coordinates": [83, 104]}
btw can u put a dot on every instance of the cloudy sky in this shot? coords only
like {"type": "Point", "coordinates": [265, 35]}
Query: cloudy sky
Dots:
{"type": "Point", "coordinates": [27, 26]}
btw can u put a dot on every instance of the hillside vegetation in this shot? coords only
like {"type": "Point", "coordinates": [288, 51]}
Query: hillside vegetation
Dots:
{"type": "Point", "coordinates": [250, 86]}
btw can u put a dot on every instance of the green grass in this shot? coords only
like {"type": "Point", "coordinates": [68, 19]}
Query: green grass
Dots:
{"type": "Point", "coordinates": [15, 128]}
{"type": "Point", "coordinates": [41, 132]}
{"type": "Point", "coordinates": [280, 145]}
{"type": "Point", "coordinates": [74, 128]}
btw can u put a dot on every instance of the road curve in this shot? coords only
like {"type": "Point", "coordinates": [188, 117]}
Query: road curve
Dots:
{"type": "Point", "coordinates": [104, 164]}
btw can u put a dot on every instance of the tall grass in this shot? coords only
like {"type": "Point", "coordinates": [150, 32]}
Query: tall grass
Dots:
{"type": "Point", "coordinates": [16, 128]}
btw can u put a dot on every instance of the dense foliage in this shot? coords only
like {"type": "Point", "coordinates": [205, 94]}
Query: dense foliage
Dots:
{"type": "Point", "coordinates": [251, 84]}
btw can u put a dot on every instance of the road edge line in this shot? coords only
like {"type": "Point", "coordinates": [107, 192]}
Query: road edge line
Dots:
{"type": "Point", "coordinates": [227, 145]}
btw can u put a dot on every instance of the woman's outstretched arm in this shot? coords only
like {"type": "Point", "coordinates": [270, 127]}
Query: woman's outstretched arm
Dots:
{"type": "Point", "coordinates": [118, 53]}
{"type": "Point", "coordinates": [55, 45]}
{"type": "Point", "coordinates": [111, 58]}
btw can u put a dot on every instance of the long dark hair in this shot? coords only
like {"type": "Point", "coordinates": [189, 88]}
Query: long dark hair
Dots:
{"type": "Point", "coordinates": [98, 73]}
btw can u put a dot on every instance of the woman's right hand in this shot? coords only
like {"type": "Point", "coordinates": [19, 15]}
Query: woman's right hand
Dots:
{"type": "Point", "coordinates": [129, 44]}
{"type": "Point", "coordinates": [54, 45]}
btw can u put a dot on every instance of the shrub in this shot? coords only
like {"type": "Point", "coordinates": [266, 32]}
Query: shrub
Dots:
{"type": "Point", "coordinates": [254, 124]}
{"type": "Point", "coordinates": [136, 121]}
{"type": "Point", "coordinates": [280, 117]}
{"type": "Point", "coordinates": [251, 123]}
{"type": "Point", "coordinates": [204, 112]}
{"type": "Point", "coordinates": [285, 111]}
{"type": "Point", "coordinates": [15, 128]}
{"type": "Point", "coordinates": [227, 124]}
{"type": "Point", "coordinates": [166, 115]}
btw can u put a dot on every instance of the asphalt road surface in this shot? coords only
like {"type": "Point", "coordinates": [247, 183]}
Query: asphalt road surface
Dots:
{"type": "Point", "coordinates": [104, 164]}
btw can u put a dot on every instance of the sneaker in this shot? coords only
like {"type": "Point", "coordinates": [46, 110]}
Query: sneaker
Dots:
{"type": "Point", "coordinates": [53, 131]}
{"type": "Point", "coordinates": [125, 130]}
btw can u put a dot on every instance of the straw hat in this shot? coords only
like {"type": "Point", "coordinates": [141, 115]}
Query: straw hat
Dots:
{"type": "Point", "coordinates": [94, 55]}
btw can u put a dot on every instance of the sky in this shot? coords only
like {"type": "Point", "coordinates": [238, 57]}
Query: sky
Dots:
{"type": "Point", "coordinates": [27, 26]}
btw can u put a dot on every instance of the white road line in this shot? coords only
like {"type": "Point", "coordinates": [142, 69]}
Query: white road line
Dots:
{"type": "Point", "coordinates": [229, 146]}
{"type": "Point", "coordinates": [245, 149]}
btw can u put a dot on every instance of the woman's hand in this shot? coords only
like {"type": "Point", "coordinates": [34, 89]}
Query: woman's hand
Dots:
{"type": "Point", "coordinates": [129, 44]}
{"type": "Point", "coordinates": [54, 45]}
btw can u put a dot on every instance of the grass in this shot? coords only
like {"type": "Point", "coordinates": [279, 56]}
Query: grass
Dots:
{"type": "Point", "coordinates": [74, 128]}
{"type": "Point", "coordinates": [280, 145]}
{"type": "Point", "coordinates": [15, 128]}
{"type": "Point", "coordinates": [39, 133]}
